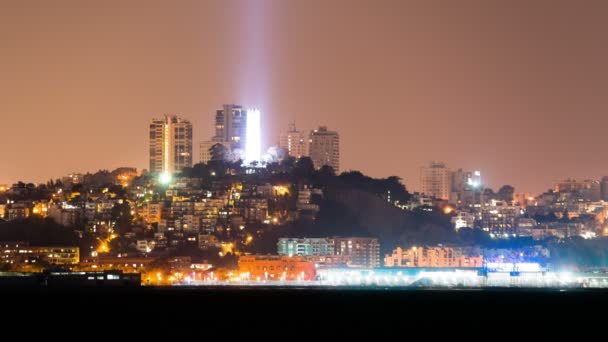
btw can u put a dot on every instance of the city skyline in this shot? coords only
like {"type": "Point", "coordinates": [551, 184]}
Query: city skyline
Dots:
{"type": "Point", "coordinates": [524, 105]}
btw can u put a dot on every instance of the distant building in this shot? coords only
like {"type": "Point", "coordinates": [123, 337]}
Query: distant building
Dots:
{"type": "Point", "coordinates": [603, 189]}
{"type": "Point", "coordinates": [151, 212]}
{"type": "Point", "coordinates": [435, 180]}
{"type": "Point", "coordinates": [15, 253]}
{"type": "Point", "coordinates": [206, 241]}
{"type": "Point", "coordinates": [73, 178]}
{"type": "Point", "coordinates": [465, 187]}
{"type": "Point", "coordinates": [19, 210]}
{"type": "Point", "coordinates": [364, 252]}
{"type": "Point", "coordinates": [108, 262]}
{"type": "Point", "coordinates": [170, 144]}
{"type": "Point", "coordinates": [305, 246]}
{"type": "Point", "coordinates": [307, 210]}
{"type": "Point", "coordinates": [499, 218]}
{"type": "Point", "coordinates": [231, 126]}
{"type": "Point", "coordinates": [68, 216]}
{"type": "Point", "coordinates": [205, 149]}
{"type": "Point", "coordinates": [434, 257]}
{"type": "Point", "coordinates": [145, 246]}
{"type": "Point", "coordinates": [294, 142]}
{"type": "Point", "coordinates": [463, 219]}
{"type": "Point", "coordinates": [587, 189]}
{"type": "Point", "coordinates": [325, 148]}
{"type": "Point", "coordinates": [276, 267]}
{"type": "Point", "coordinates": [572, 185]}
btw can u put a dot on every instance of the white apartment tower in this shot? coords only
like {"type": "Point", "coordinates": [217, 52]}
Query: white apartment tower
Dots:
{"type": "Point", "coordinates": [170, 144]}
{"type": "Point", "coordinates": [435, 180]}
{"type": "Point", "coordinates": [325, 148]}
{"type": "Point", "coordinates": [293, 141]}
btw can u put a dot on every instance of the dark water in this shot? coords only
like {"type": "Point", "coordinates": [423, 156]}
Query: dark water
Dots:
{"type": "Point", "coordinates": [295, 308]}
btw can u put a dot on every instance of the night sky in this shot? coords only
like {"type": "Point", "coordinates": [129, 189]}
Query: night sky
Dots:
{"type": "Point", "coordinates": [516, 89]}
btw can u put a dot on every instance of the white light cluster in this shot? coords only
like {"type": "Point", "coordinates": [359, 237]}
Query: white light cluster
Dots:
{"type": "Point", "coordinates": [253, 143]}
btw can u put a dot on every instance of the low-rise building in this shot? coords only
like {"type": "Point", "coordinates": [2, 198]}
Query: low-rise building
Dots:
{"type": "Point", "coordinates": [276, 267]}
{"type": "Point", "coordinates": [434, 257]}
{"type": "Point", "coordinates": [55, 255]}
{"type": "Point", "coordinates": [305, 246]}
{"type": "Point", "coordinates": [364, 252]}
{"type": "Point", "coordinates": [463, 219]}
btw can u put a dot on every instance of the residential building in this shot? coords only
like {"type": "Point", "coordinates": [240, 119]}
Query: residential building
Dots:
{"type": "Point", "coordinates": [434, 257]}
{"type": "Point", "coordinates": [305, 246]}
{"type": "Point", "coordinates": [435, 180]}
{"type": "Point", "coordinates": [465, 187]}
{"type": "Point", "coordinates": [151, 212]}
{"type": "Point", "coordinates": [498, 218]}
{"type": "Point", "coordinates": [170, 144]}
{"type": "Point", "coordinates": [145, 246]}
{"type": "Point", "coordinates": [324, 148]}
{"type": "Point", "coordinates": [463, 219]}
{"type": "Point", "coordinates": [294, 142]}
{"type": "Point", "coordinates": [19, 252]}
{"type": "Point", "coordinates": [364, 252]}
{"type": "Point", "coordinates": [603, 189]}
{"type": "Point", "coordinates": [19, 210]}
{"type": "Point", "coordinates": [572, 185]}
{"type": "Point", "coordinates": [276, 267]}
{"type": "Point", "coordinates": [231, 126]}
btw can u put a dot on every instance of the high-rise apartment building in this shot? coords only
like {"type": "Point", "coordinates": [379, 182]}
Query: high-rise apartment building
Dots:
{"type": "Point", "coordinates": [435, 180]}
{"type": "Point", "coordinates": [293, 141]}
{"type": "Point", "coordinates": [231, 125]}
{"type": "Point", "coordinates": [325, 148]}
{"type": "Point", "coordinates": [170, 144]}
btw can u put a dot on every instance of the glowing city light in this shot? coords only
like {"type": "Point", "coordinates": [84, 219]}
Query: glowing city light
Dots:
{"type": "Point", "coordinates": [165, 178]}
{"type": "Point", "coordinates": [253, 144]}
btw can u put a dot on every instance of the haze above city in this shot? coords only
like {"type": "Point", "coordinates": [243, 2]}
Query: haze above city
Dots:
{"type": "Point", "coordinates": [515, 90]}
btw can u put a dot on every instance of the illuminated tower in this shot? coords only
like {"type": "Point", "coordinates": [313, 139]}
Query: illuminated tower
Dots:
{"type": "Point", "coordinates": [170, 144]}
{"type": "Point", "coordinates": [253, 149]}
{"type": "Point", "coordinates": [293, 141]}
{"type": "Point", "coordinates": [325, 148]}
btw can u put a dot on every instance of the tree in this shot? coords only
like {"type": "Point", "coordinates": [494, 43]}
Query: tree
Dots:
{"type": "Point", "coordinates": [219, 152]}
{"type": "Point", "coordinates": [488, 194]}
{"type": "Point", "coordinates": [506, 192]}
{"type": "Point", "coordinates": [304, 168]}
{"type": "Point", "coordinates": [121, 214]}
{"type": "Point", "coordinates": [327, 171]}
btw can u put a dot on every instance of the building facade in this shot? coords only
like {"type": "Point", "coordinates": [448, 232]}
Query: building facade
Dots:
{"type": "Point", "coordinates": [294, 142]}
{"type": "Point", "coordinates": [324, 148]}
{"type": "Point", "coordinates": [58, 255]}
{"type": "Point", "coordinates": [364, 252]}
{"type": "Point", "coordinates": [170, 144]}
{"type": "Point", "coordinates": [434, 257]}
{"type": "Point", "coordinates": [231, 126]}
{"type": "Point", "coordinates": [276, 267]}
{"type": "Point", "coordinates": [305, 246]}
{"type": "Point", "coordinates": [435, 180]}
